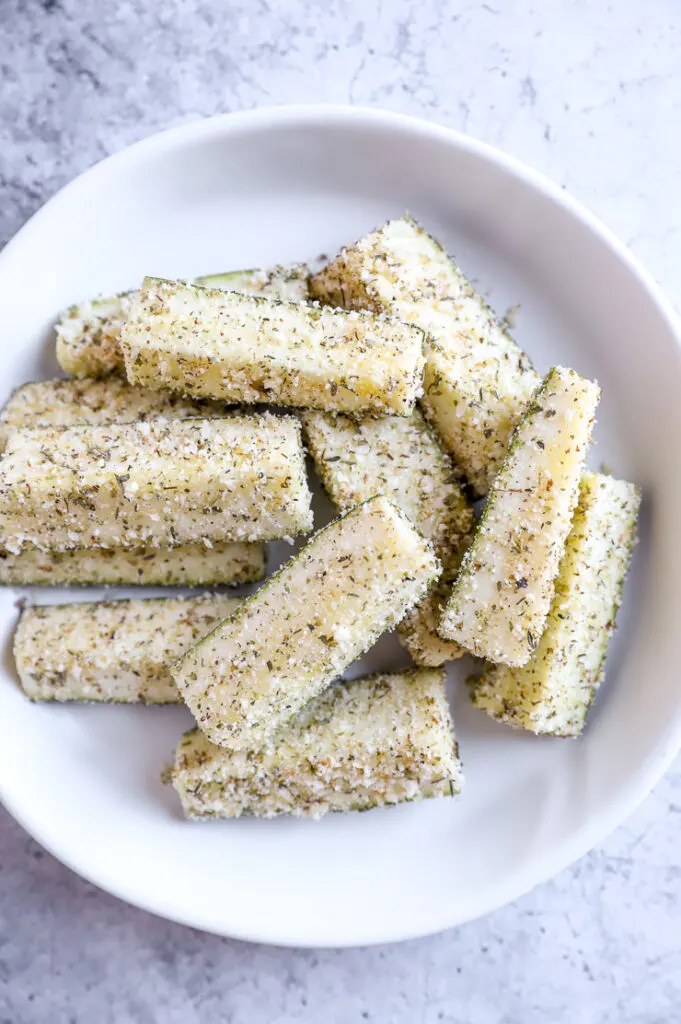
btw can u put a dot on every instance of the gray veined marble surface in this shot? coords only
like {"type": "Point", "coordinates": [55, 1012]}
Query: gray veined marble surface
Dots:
{"type": "Point", "coordinates": [590, 93]}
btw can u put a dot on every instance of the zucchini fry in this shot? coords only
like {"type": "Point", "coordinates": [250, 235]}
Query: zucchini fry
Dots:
{"type": "Point", "coordinates": [88, 333]}
{"type": "Point", "coordinates": [401, 458]}
{"type": "Point", "coordinates": [552, 693]}
{"type": "Point", "coordinates": [375, 741]}
{"type": "Point", "coordinates": [244, 348]}
{"type": "Point", "coordinates": [66, 403]}
{"type": "Point", "coordinates": [190, 565]}
{"type": "Point", "coordinates": [477, 381]}
{"type": "Point", "coordinates": [160, 483]}
{"type": "Point", "coordinates": [502, 595]}
{"type": "Point", "coordinates": [113, 651]}
{"type": "Point", "coordinates": [305, 625]}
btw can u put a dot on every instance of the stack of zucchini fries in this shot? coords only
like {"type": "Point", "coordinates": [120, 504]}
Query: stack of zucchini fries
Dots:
{"type": "Point", "coordinates": [156, 463]}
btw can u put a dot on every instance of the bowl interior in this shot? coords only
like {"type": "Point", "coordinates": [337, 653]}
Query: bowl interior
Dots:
{"type": "Point", "coordinates": [279, 186]}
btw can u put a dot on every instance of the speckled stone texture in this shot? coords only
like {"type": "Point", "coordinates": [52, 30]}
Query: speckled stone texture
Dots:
{"type": "Point", "coordinates": [590, 93]}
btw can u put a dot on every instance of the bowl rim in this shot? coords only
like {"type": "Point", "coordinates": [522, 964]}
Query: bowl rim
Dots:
{"type": "Point", "coordinates": [330, 115]}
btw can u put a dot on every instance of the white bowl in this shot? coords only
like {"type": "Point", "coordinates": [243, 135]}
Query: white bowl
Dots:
{"type": "Point", "coordinates": [287, 184]}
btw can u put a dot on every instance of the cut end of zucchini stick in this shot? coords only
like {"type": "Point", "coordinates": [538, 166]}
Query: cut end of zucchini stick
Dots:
{"type": "Point", "coordinates": [503, 592]}
{"type": "Point", "coordinates": [227, 563]}
{"type": "Point", "coordinates": [401, 458]}
{"type": "Point", "coordinates": [379, 740]}
{"type": "Point", "coordinates": [418, 630]}
{"type": "Point", "coordinates": [113, 651]}
{"type": "Point", "coordinates": [242, 348]}
{"type": "Point", "coordinates": [552, 693]}
{"type": "Point", "coordinates": [67, 403]}
{"type": "Point", "coordinates": [160, 483]}
{"type": "Point", "coordinates": [88, 337]}
{"type": "Point", "coordinates": [88, 333]}
{"type": "Point", "coordinates": [288, 283]}
{"type": "Point", "coordinates": [477, 381]}
{"type": "Point", "coordinates": [287, 642]}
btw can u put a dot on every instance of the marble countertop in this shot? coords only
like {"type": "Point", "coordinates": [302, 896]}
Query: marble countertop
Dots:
{"type": "Point", "coordinates": [588, 92]}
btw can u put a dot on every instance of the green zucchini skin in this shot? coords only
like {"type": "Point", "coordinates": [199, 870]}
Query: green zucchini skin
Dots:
{"type": "Point", "coordinates": [288, 283]}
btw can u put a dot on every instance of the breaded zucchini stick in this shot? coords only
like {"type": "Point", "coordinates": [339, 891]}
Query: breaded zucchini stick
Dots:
{"type": "Point", "coordinates": [375, 741]}
{"type": "Point", "coordinates": [65, 403]}
{"type": "Point", "coordinates": [552, 693]}
{"type": "Point", "coordinates": [477, 381]}
{"type": "Point", "coordinates": [115, 651]}
{"type": "Point", "coordinates": [305, 625]}
{"type": "Point", "coordinates": [88, 332]}
{"type": "Point", "coordinates": [244, 348]}
{"type": "Point", "coordinates": [401, 458]}
{"type": "Point", "coordinates": [112, 400]}
{"type": "Point", "coordinates": [189, 565]}
{"type": "Point", "coordinates": [503, 592]}
{"type": "Point", "coordinates": [155, 484]}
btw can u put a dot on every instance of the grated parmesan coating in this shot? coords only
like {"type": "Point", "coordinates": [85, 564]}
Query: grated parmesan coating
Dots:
{"type": "Point", "coordinates": [65, 403]}
{"type": "Point", "coordinates": [88, 333]}
{"type": "Point", "coordinates": [160, 483]}
{"type": "Point", "coordinates": [114, 651]}
{"type": "Point", "coordinates": [189, 565]}
{"type": "Point", "coordinates": [477, 381]}
{"type": "Point", "coordinates": [375, 741]}
{"type": "Point", "coordinates": [418, 630]}
{"type": "Point", "coordinates": [401, 458]}
{"type": "Point", "coordinates": [245, 348]}
{"type": "Point", "coordinates": [502, 595]}
{"type": "Point", "coordinates": [355, 579]}
{"type": "Point", "coordinates": [552, 693]}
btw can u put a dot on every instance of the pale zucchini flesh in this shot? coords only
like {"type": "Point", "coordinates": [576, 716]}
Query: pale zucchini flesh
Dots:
{"type": "Point", "coordinates": [114, 651]}
{"type": "Point", "coordinates": [372, 742]}
{"type": "Point", "coordinates": [244, 348]}
{"type": "Point", "coordinates": [190, 565]}
{"type": "Point", "coordinates": [476, 380]}
{"type": "Point", "coordinates": [288, 283]}
{"type": "Point", "coordinates": [66, 403]}
{"type": "Point", "coordinates": [88, 333]}
{"type": "Point", "coordinates": [355, 579]}
{"type": "Point", "coordinates": [160, 483]}
{"type": "Point", "coordinates": [552, 693]}
{"type": "Point", "coordinates": [502, 595]}
{"type": "Point", "coordinates": [401, 458]}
